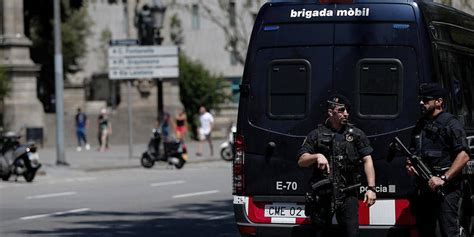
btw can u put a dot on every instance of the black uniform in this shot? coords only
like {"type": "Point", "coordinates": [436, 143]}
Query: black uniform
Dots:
{"type": "Point", "coordinates": [438, 141]}
{"type": "Point", "coordinates": [351, 143]}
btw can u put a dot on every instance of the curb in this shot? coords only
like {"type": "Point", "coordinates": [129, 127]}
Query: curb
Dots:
{"type": "Point", "coordinates": [119, 167]}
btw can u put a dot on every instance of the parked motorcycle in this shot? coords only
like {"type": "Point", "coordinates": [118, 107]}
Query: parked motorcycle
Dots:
{"type": "Point", "coordinates": [227, 147]}
{"type": "Point", "coordinates": [17, 159]}
{"type": "Point", "coordinates": [174, 152]}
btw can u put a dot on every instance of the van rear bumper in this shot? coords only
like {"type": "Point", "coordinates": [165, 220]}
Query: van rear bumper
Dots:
{"type": "Point", "coordinates": [272, 230]}
{"type": "Point", "coordinates": [289, 230]}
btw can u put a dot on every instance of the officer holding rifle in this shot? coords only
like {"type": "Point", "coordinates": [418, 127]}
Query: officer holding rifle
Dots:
{"type": "Point", "coordinates": [440, 140]}
{"type": "Point", "coordinates": [337, 149]}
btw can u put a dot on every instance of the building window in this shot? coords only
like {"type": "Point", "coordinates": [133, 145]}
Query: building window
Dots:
{"type": "Point", "coordinates": [233, 58]}
{"type": "Point", "coordinates": [232, 14]}
{"type": "Point", "coordinates": [379, 88]}
{"type": "Point", "coordinates": [289, 89]}
{"type": "Point", "coordinates": [457, 73]}
{"type": "Point", "coordinates": [235, 89]}
{"type": "Point", "coordinates": [195, 24]}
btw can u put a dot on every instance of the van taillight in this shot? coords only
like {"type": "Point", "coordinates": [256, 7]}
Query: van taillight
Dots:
{"type": "Point", "coordinates": [238, 167]}
{"type": "Point", "coordinates": [247, 230]}
{"type": "Point", "coordinates": [335, 1]}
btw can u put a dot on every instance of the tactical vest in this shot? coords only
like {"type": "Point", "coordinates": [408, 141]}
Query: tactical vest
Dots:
{"type": "Point", "coordinates": [343, 144]}
{"type": "Point", "coordinates": [432, 142]}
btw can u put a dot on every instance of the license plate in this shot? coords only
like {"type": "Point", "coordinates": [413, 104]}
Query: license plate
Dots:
{"type": "Point", "coordinates": [284, 210]}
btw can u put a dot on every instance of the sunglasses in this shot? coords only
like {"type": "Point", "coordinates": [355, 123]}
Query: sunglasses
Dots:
{"type": "Point", "coordinates": [426, 99]}
{"type": "Point", "coordinates": [342, 110]}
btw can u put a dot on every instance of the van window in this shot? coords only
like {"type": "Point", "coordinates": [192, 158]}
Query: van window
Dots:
{"type": "Point", "coordinates": [379, 88]}
{"type": "Point", "coordinates": [288, 85]}
{"type": "Point", "coordinates": [457, 73]}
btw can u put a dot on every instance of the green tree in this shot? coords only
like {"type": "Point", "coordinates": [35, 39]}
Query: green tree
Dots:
{"type": "Point", "coordinates": [176, 30]}
{"type": "Point", "coordinates": [199, 87]}
{"type": "Point", "coordinates": [464, 5]}
{"type": "Point", "coordinates": [105, 37]}
{"type": "Point", "coordinates": [235, 20]}
{"type": "Point", "coordinates": [75, 25]}
{"type": "Point", "coordinates": [4, 91]}
{"type": "Point", "coordinates": [4, 84]}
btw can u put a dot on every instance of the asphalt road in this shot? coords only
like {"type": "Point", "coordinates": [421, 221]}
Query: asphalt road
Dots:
{"type": "Point", "coordinates": [194, 201]}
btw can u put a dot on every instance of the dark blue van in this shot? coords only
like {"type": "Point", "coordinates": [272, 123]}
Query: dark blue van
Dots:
{"type": "Point", "coordinates": [376, 52]}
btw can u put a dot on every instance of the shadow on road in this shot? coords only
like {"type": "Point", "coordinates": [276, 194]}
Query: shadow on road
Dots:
{"type": "Point", "coordinates": [207, 219]}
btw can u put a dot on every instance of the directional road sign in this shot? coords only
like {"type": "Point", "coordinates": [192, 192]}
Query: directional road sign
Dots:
{"type": "Point", "coordinates": [135, 62]}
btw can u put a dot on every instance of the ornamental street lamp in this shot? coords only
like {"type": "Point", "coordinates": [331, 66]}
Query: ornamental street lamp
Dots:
{"type": "Point", "coordinates": [158, 13]}
{"type": "Point", "coordinates": [150, 22]}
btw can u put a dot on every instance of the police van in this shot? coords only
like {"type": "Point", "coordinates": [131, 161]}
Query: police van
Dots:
{"type": "Point", "coordinates": [376, 53]}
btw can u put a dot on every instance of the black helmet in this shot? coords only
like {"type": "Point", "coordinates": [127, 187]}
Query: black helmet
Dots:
{"type": "Point", "coordinates": [338, 99]}
{"type": "Point", "coordinates": [433, 90]}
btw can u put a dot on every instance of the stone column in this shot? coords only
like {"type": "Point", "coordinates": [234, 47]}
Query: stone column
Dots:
{"type": "Point", "coordinates": [22, 107]}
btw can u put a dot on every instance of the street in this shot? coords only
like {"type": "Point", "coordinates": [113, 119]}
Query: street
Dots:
{"type": "Point", "coordinates": [195, 200]}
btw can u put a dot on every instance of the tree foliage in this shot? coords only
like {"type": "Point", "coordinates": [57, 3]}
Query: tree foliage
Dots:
{"type": "Point", "coordinates": [176, 30]}
{"type": "Point", "coordinates": [199, 87]}
{"type": "Point", "coordinates": [4, 84]}
{"type": "Point", "coordinates": [105, 37]}
{"type": "Point", "coordinates": [235, 21]}
{"type": "Point", "coordinates": [75, 24]}
{"type": "Point", "coordinates": [465, 5]}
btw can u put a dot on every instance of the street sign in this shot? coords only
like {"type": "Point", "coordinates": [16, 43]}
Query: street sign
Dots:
{"type": "Point", "coordinates": [140, 62]}
{"type": "Point", "coordinates": [124, 42]}
{"type": "Point", "coordinates": [136, 62]}
{"type": "Point", "coordinates": [142, 51]}
{"type": "Point", "coordinates": [134, 73]}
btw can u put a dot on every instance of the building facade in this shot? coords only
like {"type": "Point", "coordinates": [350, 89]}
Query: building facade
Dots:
{"type": "Point", "coordinates": [203, 40]}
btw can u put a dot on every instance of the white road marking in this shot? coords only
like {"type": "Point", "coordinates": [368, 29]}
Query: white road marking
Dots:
{"type": "Point", "coordinates": [220, 217]}
{"type": "Point", "coordinates": [51, 195]}
{"type": "Point", "coordinates": [55, 214]}
{"type": "Point", "coordinates": [167, 183]}
{"type": "Point", "coordinates": [11, 186]}
{"type": "Point", "coordinates": [195, 194]}
{"type": "Point", "coordinates": [68, 180]}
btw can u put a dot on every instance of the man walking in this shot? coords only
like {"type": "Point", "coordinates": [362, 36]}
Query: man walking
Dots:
{"type": "Point", "coordinates": [206, 121]}
{"type": "Point", "coordinates": [81, 127]}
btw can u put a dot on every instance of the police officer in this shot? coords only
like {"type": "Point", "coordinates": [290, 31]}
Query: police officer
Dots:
{"type": "Point", "coordinates": [354, 147]}
{"type": "Point", "coordinates": [439, 138]}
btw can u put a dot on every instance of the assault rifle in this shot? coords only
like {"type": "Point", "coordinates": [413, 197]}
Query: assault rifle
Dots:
{"type": "Point", "coordinates": [420, 167]}
{"type": "Point", "coordinates": [334, 184]}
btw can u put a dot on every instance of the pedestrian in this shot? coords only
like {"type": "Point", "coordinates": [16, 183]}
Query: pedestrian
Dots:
{"type": "Point", "coordinates": [206, 121]}
{"type": "Point", "coordinates": [104, 127]}
{"type": "Point", "coordinates": [81, 125]}
{"type": "Point", "coordinates": [338, 138]}
{"type": "Point", "coordinates": [440, 140]}
{"type": "Point", "coordinates": [166, 125]}
{"type": "Point", "coordinates": [181, 125]}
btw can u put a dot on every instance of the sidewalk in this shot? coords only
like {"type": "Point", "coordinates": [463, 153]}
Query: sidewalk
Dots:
{"type": "Point", "coordinates": [117, 157]}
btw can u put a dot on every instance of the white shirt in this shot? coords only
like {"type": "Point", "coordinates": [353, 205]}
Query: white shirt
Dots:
{"type": "Point", "coordinates": [206, 121]}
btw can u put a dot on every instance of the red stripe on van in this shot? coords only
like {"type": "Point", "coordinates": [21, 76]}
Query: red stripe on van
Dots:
{"type": "Point", "coordinates": [303, 221]}
{"type": "Point", "coordinates": [404, 215]}
{"type": "Point", "coordinates": [257, 212]}
{"type": "Point", "coordinates": [363, 213]}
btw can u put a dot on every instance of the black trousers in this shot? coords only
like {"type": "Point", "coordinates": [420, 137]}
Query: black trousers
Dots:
{"type": "Point", "coordinates": [347, 215]}
{"type": "Point", "coordinates": [430, 207]}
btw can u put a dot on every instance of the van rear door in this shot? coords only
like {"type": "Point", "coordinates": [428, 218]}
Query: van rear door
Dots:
{"type": "Point", "coordinates": [376, 66]}
{"type": "Point", "coordinates": [288, 87]}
